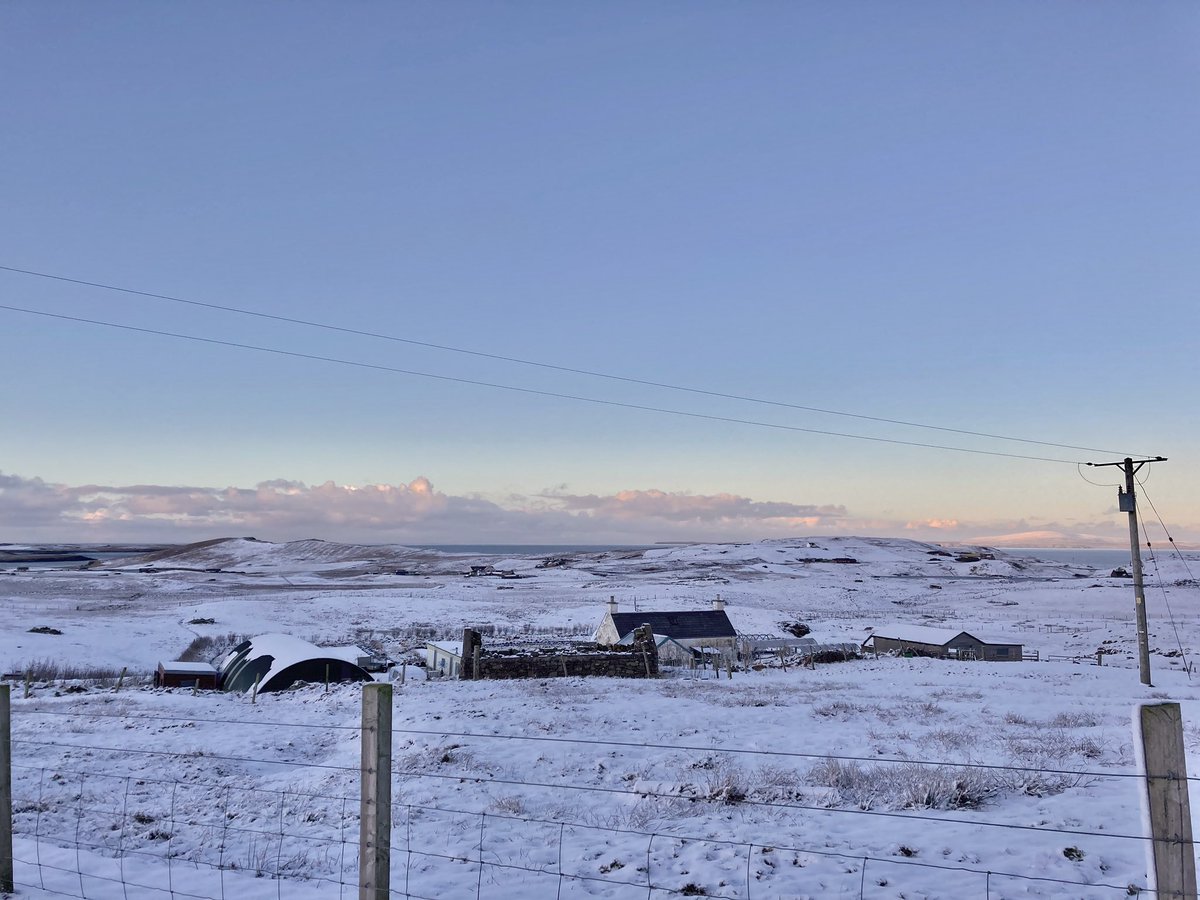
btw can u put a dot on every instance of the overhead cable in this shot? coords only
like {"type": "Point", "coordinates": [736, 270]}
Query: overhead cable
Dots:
{"type": "Point", "coordinates": [543, 365]}
{"type": "Point", "coordinates": [524, 390]}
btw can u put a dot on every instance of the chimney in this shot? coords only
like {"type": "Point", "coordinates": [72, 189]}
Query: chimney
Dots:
{"type": "Point", "coordinates": [718, 603]}
{"type": "Point", "coordinates": [612, 604]}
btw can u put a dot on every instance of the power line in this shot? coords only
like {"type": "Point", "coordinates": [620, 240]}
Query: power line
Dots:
{"type": "Point", "coordinates": [1166, 531]}
{"type": "Point", "coordinates": [523, 390]}
{"type": "Point", "coordinates": [542, 365]}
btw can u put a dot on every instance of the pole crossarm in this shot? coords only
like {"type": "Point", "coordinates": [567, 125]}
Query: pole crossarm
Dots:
{"type": "Point", "coordinates": [1138, 463]}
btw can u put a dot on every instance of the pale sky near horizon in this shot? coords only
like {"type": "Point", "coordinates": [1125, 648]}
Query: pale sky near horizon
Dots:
{"type": "Point", "coordinates": [978, 216]}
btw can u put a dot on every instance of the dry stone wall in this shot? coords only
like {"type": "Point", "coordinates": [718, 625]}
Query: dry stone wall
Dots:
{"type": "Point", "coordinates": [640, 660]}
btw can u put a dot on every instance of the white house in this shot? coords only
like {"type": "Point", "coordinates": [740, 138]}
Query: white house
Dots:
{"type": "Point", "coordinates": [688, 628]}
{"type": "Point", "coordinates": [444, 657]}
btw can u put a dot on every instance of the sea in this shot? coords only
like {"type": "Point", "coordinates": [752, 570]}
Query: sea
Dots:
{"type": "Point", "coordinates": [64, 564]}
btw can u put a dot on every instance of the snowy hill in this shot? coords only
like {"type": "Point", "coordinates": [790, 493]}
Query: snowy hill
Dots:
{"type": "Point", "coordinates": [688, 746]}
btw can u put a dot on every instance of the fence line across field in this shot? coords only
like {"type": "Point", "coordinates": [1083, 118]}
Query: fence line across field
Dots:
{"type": "Point", "coordinates": [548, 739]}
{"type": "Point", "coordinates": [642, 793]}
{"type": "Point", "coordinates": [79, 806]}
{"type": "Point", "coordinates": [481, 859]}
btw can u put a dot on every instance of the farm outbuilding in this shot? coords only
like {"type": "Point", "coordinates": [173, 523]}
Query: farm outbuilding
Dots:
{"type": "Point", "coordinates": [943, 643]}
{"type": "Point", "coordinates": [277, 661]}
{"type": "Point", "coordinates": [178, 674]}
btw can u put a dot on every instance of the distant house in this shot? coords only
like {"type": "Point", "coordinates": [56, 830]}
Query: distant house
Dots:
{"type": "Point", "coordinates": [686, 628]}
{"type": "Point", "coordinates": [946, 643]}
{"type": "Point", "coordinates": [444, 657]}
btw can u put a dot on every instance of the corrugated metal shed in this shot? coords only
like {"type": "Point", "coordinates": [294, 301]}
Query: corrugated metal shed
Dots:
{"type": "Point", "coordinates": [277, 661]}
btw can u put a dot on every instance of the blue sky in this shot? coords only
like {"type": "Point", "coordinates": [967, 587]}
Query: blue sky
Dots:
{"type": "Point", "coordinates": [982, 216]}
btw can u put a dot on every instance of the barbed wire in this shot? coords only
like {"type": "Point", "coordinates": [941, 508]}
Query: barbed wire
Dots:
{"type": "Point", "coordinates": [142, 779]}
{"type": "Point", "coordinates": [179, 754]}
{"type": "Point", "coordinates": [751, 845]}
{"type": "Point", "coordinates": [482, 862]}
{"type": "Point", "coordinates": [609, 742]}
{"type": "Point", "coordinates": [600, 789]}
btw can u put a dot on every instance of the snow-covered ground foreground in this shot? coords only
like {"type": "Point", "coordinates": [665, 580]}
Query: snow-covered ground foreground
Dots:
{"type": "Point", "coordinates": [879, 777]}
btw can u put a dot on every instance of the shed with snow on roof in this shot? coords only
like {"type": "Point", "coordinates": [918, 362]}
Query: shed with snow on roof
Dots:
{"type": "Point", "coordinates": [179, 674]}
{"type": "Point", "coordinates": [942, 643]}
{"type": "Point", "coordinates": [277, 661]}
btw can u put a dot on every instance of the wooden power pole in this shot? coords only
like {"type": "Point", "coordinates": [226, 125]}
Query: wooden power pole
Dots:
{"type": "Point", "coordinates": [1127, 502]}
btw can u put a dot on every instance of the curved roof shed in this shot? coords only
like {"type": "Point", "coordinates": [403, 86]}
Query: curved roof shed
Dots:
{"type": "Point", "coordinates": [277, 661]}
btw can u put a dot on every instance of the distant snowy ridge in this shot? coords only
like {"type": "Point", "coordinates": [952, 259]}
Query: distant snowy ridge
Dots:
{"type": "Point", "coordinates": [716, 563]}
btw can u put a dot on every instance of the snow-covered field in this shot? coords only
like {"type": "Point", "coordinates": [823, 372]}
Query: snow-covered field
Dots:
{"type": "Point", "coordinates": [878, 777]}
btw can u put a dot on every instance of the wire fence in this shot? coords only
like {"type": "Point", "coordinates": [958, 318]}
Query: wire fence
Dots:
{"type": "Point", "coordinates": [93, 823]}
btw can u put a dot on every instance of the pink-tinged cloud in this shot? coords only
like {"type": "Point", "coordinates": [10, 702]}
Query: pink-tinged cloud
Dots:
{"type": "Point", "coordinates": [932, 525]}
{"type": "Point", "coordinates": [32, 509]}
{"type": "Point", "coordinates": [682, 507]}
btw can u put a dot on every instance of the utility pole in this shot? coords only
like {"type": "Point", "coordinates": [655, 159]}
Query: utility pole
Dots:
{"type": "Point", "coordinates": [1127, 503]}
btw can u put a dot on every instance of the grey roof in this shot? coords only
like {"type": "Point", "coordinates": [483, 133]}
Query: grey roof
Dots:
{"type": "Point", "coordinates": [681, 624]}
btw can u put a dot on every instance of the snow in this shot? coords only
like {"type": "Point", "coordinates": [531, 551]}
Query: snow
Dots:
{"type": "Point", "coordinates": [178, 667]}
{"type": "Point", "coordinates": [917, 634]}
{"type": "Point", "coordinates": [923, 634]}
{"type": "Point", "coordinates": [284, 651]}
{"type": "Point", "coordinates": [695, 775]}
{"type": "Point", "coordinates": [350, 653]}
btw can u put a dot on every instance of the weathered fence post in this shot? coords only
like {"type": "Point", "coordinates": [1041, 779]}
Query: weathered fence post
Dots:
{"type": "Point", "coordinates": [1173, 860]}
{"type": "Point", "coordinates": [375, 811]}
{"type": "Point", "coordinates": [6, 840]}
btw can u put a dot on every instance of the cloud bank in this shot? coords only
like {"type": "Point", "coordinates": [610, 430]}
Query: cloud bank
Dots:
{"type": "Point", "coordinates": [35, 510]}
{"type": "Point", "coordinates": [32, 509]}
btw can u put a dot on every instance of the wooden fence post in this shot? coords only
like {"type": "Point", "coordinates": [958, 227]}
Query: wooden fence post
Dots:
{"type": "Point", "coordinates": [375, 813]}
{"type": "Point", "coordinates": [6, 821]}
{"type": "Point", "coordinates": [1173, 868]}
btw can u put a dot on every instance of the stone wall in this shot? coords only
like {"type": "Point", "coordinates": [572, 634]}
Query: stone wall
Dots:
{"type": "Point", "coordinates": [639, 660]}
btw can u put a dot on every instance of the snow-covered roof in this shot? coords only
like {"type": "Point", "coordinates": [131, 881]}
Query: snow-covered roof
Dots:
{"type": "Point", "coordinates": [188, 667]}
{"type": "Point", "coordinates": [455, 647]}
{"type": "Point", "coordinates": [925, 634]}
{"type": "Point", "coordinates": [283, 651]}
{"type": "Point", "coordinates": [350, 653]}
{"type": "Point", "coordinates": [917, 634]}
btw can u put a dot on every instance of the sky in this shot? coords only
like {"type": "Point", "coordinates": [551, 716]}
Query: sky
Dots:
{"type": "Point", "coordinates": [982, 217]}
